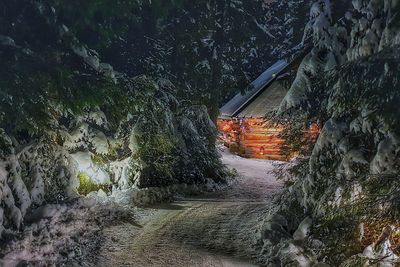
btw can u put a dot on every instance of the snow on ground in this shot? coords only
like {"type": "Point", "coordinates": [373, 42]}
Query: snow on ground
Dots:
{"type": "Point", "coordinates": [214, 229]}
{"type": "Point", "coordinates": [255, 182]}
{"type": "Point", "coordinates": [60, 234]}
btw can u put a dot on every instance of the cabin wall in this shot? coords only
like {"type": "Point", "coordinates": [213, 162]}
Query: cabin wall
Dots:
{"type": "Point", "coordinates": [229, 133]}
{"type": "Point", "coordinates": [255, 138]}
{"type": "Point", "coordinates": [251, 138]}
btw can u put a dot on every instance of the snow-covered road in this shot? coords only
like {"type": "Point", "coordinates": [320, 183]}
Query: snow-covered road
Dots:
{"type": "Point", "coordinates": [215, 229]}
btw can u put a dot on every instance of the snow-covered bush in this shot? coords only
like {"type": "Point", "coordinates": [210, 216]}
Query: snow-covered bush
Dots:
{"type": "Point", "coordinates": [70, 123]}
{"type": "Point", "coordinates": [350, 186]}
{"type": "Point", "coordinates": [199, 135]}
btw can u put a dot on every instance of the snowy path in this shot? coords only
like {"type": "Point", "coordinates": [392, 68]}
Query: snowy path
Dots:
{"type": "Point", "coordinates": [216, 229]}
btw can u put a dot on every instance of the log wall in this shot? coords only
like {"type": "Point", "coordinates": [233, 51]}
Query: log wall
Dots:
{"type": "Point", "coordinates": [253, 138]}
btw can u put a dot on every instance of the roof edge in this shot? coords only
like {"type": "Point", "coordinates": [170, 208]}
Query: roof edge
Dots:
{"type": "Point", "coordinates": [262, 89]}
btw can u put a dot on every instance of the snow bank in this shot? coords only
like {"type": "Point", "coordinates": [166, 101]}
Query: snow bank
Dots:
{"type": "Point", "coordinates": [155, 195]}
{"type": "Point", "coordinates": [27, 180]}
{"type": "Point", "coordinates": [61, 234]}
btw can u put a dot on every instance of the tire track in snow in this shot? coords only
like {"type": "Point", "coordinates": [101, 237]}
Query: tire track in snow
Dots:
{"type": "Point", "coordinates": [217, 229]}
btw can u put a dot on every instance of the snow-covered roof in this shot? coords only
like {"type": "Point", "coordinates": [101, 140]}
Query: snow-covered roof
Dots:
{"type": "Point", "coordinates": [268, 101]}
{"type": "Point", "coordinates": [257, 87]}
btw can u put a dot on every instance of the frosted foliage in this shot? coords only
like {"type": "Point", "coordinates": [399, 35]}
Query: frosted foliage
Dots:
{"type": "Point", "coordinates": [27, 178]}
{"type": "Point", "coordinates": [1, 221]}
{"type": "Point", "coordinates": [199, 115]}
{"type": "Point", "coordinates": [330, 137]}
{"type": "Point", "coordinates": [133, 139]}
{"type": "Point", "coordinates": [301, 85]}
{"type": "Point", "coordinates": [20, 192]}
{"type": "Point", "coordinates": [42, 173]}
{"type": "Point", "coordinates": [37, 190]}
{"type": "Point", "coordinates": [78, 126]}
{"type": "Point", "coordinates": [14, 217]}
{"type": "Point", "coordinates": [351, 87]}
{"type": "Point", "coordinates": [354, 156]}
{"type": "Point", "coordinates": [303, 230]}
{"type": "Point", "coordinates": [320, 22]}
{"type": "Point", "coordinates": [91, 58]}
{"type": "Point", "coordinates": [188, 128]}
{"type": "Point", "coordinates": [356, 125]}
{"type": "Point", "coordinates": [374, 30]}
{"type": "Point", "coordinates": [98, 118]}
{"type": "Point", "coordinates": [78, 138]}
{"type": "Point", "coordinates": [326, 34]}
{"type": "Point", "coordinates": [86, 137]}
{"type": "Point", "coordinates": [195, 125]}
{"type": "Point", "coordinates": [356, 193]}
{"type": "Point", "coordinates": [384, 160]}
{"type": "Point", "coordinates": [338, 197]}
{"type": "Point", "coordinates": [84, 164]}
{"type": "Point", "coordinates": [381, 250]}
{"type": "Point", "coordinates": [295, 255]}
{"type": "Point", "coordinates": [99, 142]}
{"type": "Point", "coordinates": [122, 171]}
{"type": "Point", "coordinates": [330, 46]}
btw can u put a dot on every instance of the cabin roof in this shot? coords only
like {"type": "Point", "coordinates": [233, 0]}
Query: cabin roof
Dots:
{"type": "Point", "coordinates": [239, 102]}
{"type": "Point", "coordinates": [266, 102]}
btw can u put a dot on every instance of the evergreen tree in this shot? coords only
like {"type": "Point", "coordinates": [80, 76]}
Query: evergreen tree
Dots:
{"type": "Point", "coordinates": [209, 49]}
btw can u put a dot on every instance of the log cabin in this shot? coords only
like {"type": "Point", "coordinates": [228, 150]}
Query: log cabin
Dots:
{"type": "Point", "coordinates": [242, 122]}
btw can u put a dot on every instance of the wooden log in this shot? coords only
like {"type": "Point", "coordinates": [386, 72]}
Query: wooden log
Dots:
{"type": "Point", "coordinates": [255, 138]}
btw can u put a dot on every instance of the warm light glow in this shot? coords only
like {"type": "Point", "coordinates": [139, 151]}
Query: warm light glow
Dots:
{"type": "Point", "coordinates": [255, 138]}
